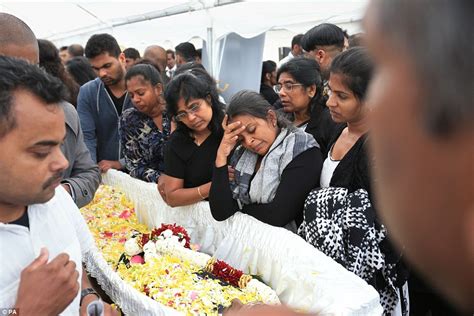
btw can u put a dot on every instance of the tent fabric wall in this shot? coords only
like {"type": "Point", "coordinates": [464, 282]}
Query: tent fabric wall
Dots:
{"type": "Point", "coordinates": [238, 63]}
{"type": "Point", "coordinates": [246, 18]}
{"type": "Point", "coordinates": [238, 26]}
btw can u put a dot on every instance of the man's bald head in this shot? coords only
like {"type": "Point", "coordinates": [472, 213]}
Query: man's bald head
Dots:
{"type": "Point", "coordinates": [157, 55]}
{"type": "Point", "coordinates": [17, 39]}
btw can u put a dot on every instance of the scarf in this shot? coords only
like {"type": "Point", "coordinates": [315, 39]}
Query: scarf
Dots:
{"type": "Point", "coordinates": [262, 188]}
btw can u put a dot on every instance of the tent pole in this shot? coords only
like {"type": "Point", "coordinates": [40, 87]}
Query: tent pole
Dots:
{"type": "Point", "coordinates": [210, 49]}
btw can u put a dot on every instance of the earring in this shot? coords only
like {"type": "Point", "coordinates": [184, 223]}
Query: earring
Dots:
{"type": "Point", "coordinates": [274, 124]}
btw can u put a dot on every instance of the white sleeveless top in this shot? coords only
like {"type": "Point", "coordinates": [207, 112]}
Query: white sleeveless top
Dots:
{"type": "Point", "coordinates": [328, 170]}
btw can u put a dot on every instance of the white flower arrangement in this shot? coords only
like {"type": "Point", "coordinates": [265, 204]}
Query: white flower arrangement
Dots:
{"type": "Point", "coordinates": [169, 244]}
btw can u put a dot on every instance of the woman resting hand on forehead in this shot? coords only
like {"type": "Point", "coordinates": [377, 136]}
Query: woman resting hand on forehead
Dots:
{"type": "Point", "coordinates": [276, 164]}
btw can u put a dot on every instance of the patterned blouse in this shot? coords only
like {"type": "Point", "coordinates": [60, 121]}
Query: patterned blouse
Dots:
{"type": "Point", "coordinates": [143, 144]}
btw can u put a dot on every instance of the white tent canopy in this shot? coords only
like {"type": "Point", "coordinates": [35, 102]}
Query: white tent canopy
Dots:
{"type": "Point", "coordinates": [167, 23]}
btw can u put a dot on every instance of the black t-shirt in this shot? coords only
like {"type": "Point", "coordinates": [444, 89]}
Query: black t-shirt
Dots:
{"type": "Point", "coordinates": [190, 162]}
{"type": "Point", "coordinates": [268, 93]}
{"type": "Point", "coordinates": [322, 127]}
{"type": "Point", "coordinates": [118, 102]}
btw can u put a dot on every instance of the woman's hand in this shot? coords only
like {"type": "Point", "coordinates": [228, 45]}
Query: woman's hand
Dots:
{"type": "Point", "coordinates": [161, 186]}
{"type": "Point", "coordinates": [231, 172]}
{"type": "Point", "coordinates": [229, 140]}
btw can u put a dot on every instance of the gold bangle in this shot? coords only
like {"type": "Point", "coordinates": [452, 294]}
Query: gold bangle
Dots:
{"type": "Point", "coordinates": [199, 192]}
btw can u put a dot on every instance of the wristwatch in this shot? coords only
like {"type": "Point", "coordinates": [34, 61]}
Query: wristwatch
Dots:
{"type": "Point", "coordinates": [86, 292]}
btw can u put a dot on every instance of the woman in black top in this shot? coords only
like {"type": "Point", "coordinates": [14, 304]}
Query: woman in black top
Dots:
{"type": "Point", "coordinates": [340, 218]}
{"type": "Point", "coordinates": [268, 80]}
{"type": "Point", "coordinates": [349, 78]}
{"type": "Point", "coordinates": [193, 102]}
{"type": "Point", "coordinates": [301, 94]}
{"type": "Point", "coordinates": [276, 164]}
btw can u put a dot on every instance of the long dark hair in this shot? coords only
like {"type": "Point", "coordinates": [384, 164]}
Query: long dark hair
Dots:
{"type": "Point", "coordinates": [149, 73]}
{"type": "Point", "coordinates": [194, 83]}
{"type": "Point", "coordinates": [51, 62]}
{"type": "Point", "coordinates": [356, 67]}
{"type": "Point", "coordinates": [80, 70]}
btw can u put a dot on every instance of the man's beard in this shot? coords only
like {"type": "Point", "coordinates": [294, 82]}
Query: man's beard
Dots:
{"type": "Point", "coordinates": [109, 81]}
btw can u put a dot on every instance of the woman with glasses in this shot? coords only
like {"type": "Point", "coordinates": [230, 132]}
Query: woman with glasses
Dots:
{"type": "Point", "coordinates": [301, 94]}
{"type": "Point", "coordinates": [193, 101]}
{"type": "Point", "coordinates": [276, 164]}
{"type": "Point", "coordinates": [145, 128]}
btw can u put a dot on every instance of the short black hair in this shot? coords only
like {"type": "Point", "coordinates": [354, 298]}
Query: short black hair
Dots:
{"type": "Point", "coordinates": [62, 48]}
{"type": "Point", "coordinates": [131, 53]}
{"type": "Point", "coordinates": [18, 74]}
{"type": "Point", "coordinates": [356, 66]}
{"type": "Point", "coordinates": [296, 40]}
{"type": "Point", "coordinates": [346, 35]}
{"type": "Point", "coordinates": [189, 67]}
{"type": "Point", "coordinates": [75, 50]}
{"type": "Point", "coordinates": [325, 34]}
{"type": "Point", "coordinates": [187, 51]}
{"type": "Point", "coordinates": [15, 31]}
{"type": "Point", "coordinates": [102, 43]}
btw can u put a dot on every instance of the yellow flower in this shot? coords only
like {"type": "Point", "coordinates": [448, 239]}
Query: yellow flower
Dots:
{"type": "Point", "coordinates": [170, 280]}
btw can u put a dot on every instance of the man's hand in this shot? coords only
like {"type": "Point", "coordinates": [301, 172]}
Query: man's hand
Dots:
{"type": "Point", "coordinates": [47, 288]}
{"type": "Point", "coordinates": [108, 310]}
{"type": "Point", "coordinates": [105, 165]}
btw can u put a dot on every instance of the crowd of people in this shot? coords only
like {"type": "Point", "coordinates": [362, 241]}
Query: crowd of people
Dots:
{"type": "Point", "coordinates": [356, 143]}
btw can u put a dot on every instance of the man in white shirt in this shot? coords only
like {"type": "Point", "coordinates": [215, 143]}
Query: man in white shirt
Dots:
{"type": "Point", "coordinates": [43, 236]}
{"type": "Point", "coordinates": [170, 63]}
{"type": "Point", "coordinates": [295, 51]}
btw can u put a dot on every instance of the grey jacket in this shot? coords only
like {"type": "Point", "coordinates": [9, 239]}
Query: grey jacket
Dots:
{"type": "Point", "coordinates": [83, 174]}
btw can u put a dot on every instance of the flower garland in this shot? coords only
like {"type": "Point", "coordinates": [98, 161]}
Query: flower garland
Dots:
{"type": "Point", "coordinates": [161, 263]}
{"type": "Point", "coordinates": [226, 273]}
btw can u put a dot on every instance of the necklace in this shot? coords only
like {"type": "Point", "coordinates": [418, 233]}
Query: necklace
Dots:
{"type": "Point", "coordinates": [201, 139]}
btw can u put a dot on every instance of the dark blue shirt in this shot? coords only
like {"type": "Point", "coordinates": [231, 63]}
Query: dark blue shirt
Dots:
{"type": "Point", "coordinates": [143, 144]}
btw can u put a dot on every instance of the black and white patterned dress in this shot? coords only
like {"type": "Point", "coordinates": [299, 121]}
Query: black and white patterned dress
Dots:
{"type": "Point", "coordinates": [344, 226]}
